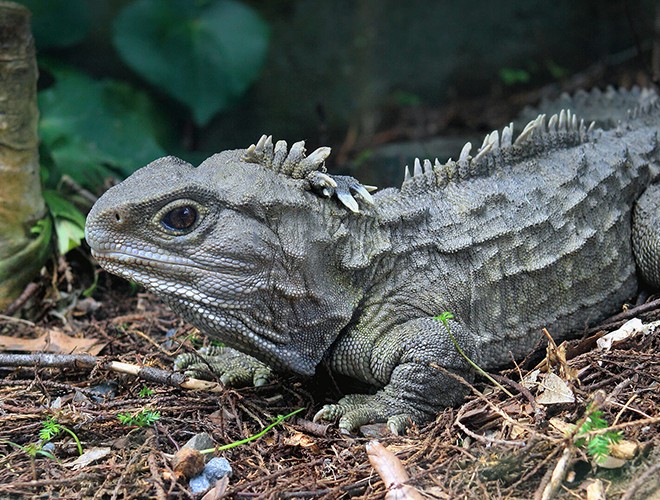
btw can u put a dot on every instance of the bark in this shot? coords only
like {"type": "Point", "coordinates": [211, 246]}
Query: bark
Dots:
{"type": "Point", "coordinates": [22, 249]}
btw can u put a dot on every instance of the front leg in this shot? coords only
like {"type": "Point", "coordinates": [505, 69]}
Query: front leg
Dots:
{"type": "Point", "coordinates": [232, 367]}
{"type": "Point", "coordinates": [404, 364]}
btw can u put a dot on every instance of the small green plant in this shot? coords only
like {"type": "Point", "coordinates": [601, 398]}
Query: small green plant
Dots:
{"type": "Point", "coordinates": [597, 445]}
{"type": "Point", "coordinates": [405, 98]}
{"type": "Point", "coordinates": [558, 72]}
{"type": "Point", "coordinates": [444, 319]}
{"type": "Point", "coordinates": [31, 449]}
{"type": "Point", "coordinates": [34, 449]}
{"type": "Point", "coordinates": [196, 340]}
{"type": "Point", "coordinates": [51, 428]}
{"type": "Point", "coordinates": [143, 418]}
{"type": "Point", "coordinates": [234, 444]}
{"type": "Point", "coordinates": [145, 392]}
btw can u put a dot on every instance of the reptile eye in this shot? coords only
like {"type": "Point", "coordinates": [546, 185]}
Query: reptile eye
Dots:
{"type": "Point", "coordinates": [180, 218]}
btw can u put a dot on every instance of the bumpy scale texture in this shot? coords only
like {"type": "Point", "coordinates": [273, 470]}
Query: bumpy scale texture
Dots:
{"type": "Point", "coordinates": [263, 250]}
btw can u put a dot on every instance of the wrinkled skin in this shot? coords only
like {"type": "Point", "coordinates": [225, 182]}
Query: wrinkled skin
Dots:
{"type": "Point", "coordinates": [266, 259]}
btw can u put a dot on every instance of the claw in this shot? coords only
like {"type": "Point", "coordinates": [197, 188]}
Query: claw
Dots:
{"type": "Point", "coordinates": [363, 192]}
{"type": "Point", "coordinates": [232, 367]}
{"type": "Point", "coordinates": [348, 201]}
{"type": "Point", "coordinates": [343, 187]}
{"type": "Point", "coordinates": [325, 413]}
{"type": "Point", "coordinates": [325, 180]}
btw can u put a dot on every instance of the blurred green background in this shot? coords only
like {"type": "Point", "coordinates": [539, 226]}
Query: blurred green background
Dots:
{"type": "Point", "coordinates": [125, 81]}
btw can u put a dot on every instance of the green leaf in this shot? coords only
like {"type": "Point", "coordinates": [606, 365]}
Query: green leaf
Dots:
{"type": "Point", "coordinates": [513, 76]}
{"type": "Point", "coordinates": [143, 418]}
{"type": "Point", "coordinates": [61, 208]}
{"type": "Point", "coordinates": [96, 129]}
{"type": "Point", "coordinates": [59, 23]}
{"type": "Point", "coordinates": [69, 235]}
{"type": "Point", "coordinates": [204, 54]}
{"type": "Point", "coordinates": [50, 429]}
{"type": "Point", "coordinates": [146, 392]}
{"type": "Point", "coordinates": [69, 221]}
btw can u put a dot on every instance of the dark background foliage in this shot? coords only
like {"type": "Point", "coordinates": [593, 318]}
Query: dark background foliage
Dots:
{"type": "Point", "coordinates": [126, 81]}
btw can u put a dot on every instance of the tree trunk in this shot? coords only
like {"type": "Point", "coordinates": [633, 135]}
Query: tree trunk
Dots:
{"type": "Point", "coordinates": [25, 229]}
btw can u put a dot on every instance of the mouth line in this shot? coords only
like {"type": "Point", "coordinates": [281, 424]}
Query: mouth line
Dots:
{"type": "Point", "coordinates": [180, 262]}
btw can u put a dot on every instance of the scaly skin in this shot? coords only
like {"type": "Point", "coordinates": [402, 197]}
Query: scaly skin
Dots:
{"type": "Point", "coordinates": [254, 248]}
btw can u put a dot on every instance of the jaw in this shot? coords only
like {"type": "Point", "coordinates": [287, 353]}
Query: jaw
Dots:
{"type": "Point", "coordinates": [238, 310]}
{"type": "Point", "coordinates": [244, 329]}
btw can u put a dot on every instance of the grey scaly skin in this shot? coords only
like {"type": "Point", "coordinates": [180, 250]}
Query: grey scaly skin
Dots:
{"type": "Point", "coordinates": [263, 250]}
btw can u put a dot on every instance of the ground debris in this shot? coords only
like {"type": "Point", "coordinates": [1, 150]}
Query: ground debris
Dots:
{"type": "Point", "coordinates": [493, 446]}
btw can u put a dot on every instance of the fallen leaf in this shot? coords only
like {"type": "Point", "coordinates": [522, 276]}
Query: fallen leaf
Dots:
{"type": "Point", "coordinates": [629, 328]}
{"type": "Point", "coordinates": [391, 471]}
{"type": "Point", "coordinates": [564, 427]}
{"type": "Point", "coordinates": [91, 455]}
{"type": "Point", "coordinates": [218, 491]}
{"type": "Point", "coordinates": [555, 391]}
{"type": "Point", "coordinates": [302, 440]}
{"type": "Point", "coordinates": [53, 341]}
{"type": "Point", "coordinates": [610, 462]}
{"type": "Point", "coordinates": [596, 490]}
{"type": "Point", "coordinates": [531, 379]}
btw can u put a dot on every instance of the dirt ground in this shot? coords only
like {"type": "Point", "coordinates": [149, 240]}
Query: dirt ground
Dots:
{"type": "Point", "coordinates": [493, 446]}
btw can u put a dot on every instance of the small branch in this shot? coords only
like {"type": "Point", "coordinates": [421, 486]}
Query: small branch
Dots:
{"type": "Point", "coordinates": [490, 404]}
{"type": "Point", "coordinates": [16, 320]}
{"type": "Point", "coordinates": [78, 361]}
{"type": "Point", "coordinates": [46, 360]}
{"type": "Point", "coordinates": [558, 475]}
{"type": "Point", "coordinates": [613, 321]}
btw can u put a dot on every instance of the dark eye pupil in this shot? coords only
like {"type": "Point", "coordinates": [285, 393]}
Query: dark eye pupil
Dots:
{"type": "Point", "coordinates": [180, 218]}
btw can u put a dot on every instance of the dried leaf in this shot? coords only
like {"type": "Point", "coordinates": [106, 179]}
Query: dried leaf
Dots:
{"type": "Point", "coordinates": [302, 440]}
{"type": "Point", "coordinates": [531, 379]}
{"type": "Point", "coordinates": [91, 455]}
{"type": "Point", "coordinates": [555, 391]}
{"type": "Point", "coordinates": [54, 341]}
{"type": "Point", "coordinates": [628, 329]}
{"type": "Point", "coordinates": [391, 471]}
{"type": "Point", "coordinates": [564, 427]}
{"type": "Point", "coordinates": [610, 462]}
{"type": "Point", "coordinates": [596, 490]}
{"type": "Point", "coordinates": [556, 357]}
{"type": "Point", "coordinates": [218, 491]}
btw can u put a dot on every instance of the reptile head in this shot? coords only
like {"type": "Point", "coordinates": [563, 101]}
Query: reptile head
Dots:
{"type": "Point", "coordinates": [235, 247]}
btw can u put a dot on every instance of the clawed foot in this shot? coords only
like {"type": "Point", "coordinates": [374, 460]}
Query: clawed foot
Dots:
{"type": "Point", "coordinates": [343, 187]}
{"type": "Point", "coordinates": [356, 410]}
{"type": "Point", "coordinates": [232, 367]}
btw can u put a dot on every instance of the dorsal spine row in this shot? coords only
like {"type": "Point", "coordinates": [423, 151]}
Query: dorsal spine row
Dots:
{"type": "Point", "coordinates": [290, 162]}
{"type": "Point", "coordinates": [561, 130]}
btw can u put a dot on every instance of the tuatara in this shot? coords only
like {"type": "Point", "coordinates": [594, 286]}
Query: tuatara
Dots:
{"type": "Point", "coordinates": [263, 250]}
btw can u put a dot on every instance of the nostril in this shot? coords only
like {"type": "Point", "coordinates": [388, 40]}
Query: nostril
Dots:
{"type": "Point", "coordinates": [118, 217]}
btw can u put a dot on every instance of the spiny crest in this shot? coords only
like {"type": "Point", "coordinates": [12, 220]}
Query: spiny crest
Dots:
{"type": "Point", "coordinates": [562, 129]}
{"type": "Point", "coordinates": [607, 107]}
{"type": "Point", "coordinates": [295, 164]}
{"type": "Point", "coordinates": [648, 105]}
{"type": "Point", "coordinates": [290, 162]}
